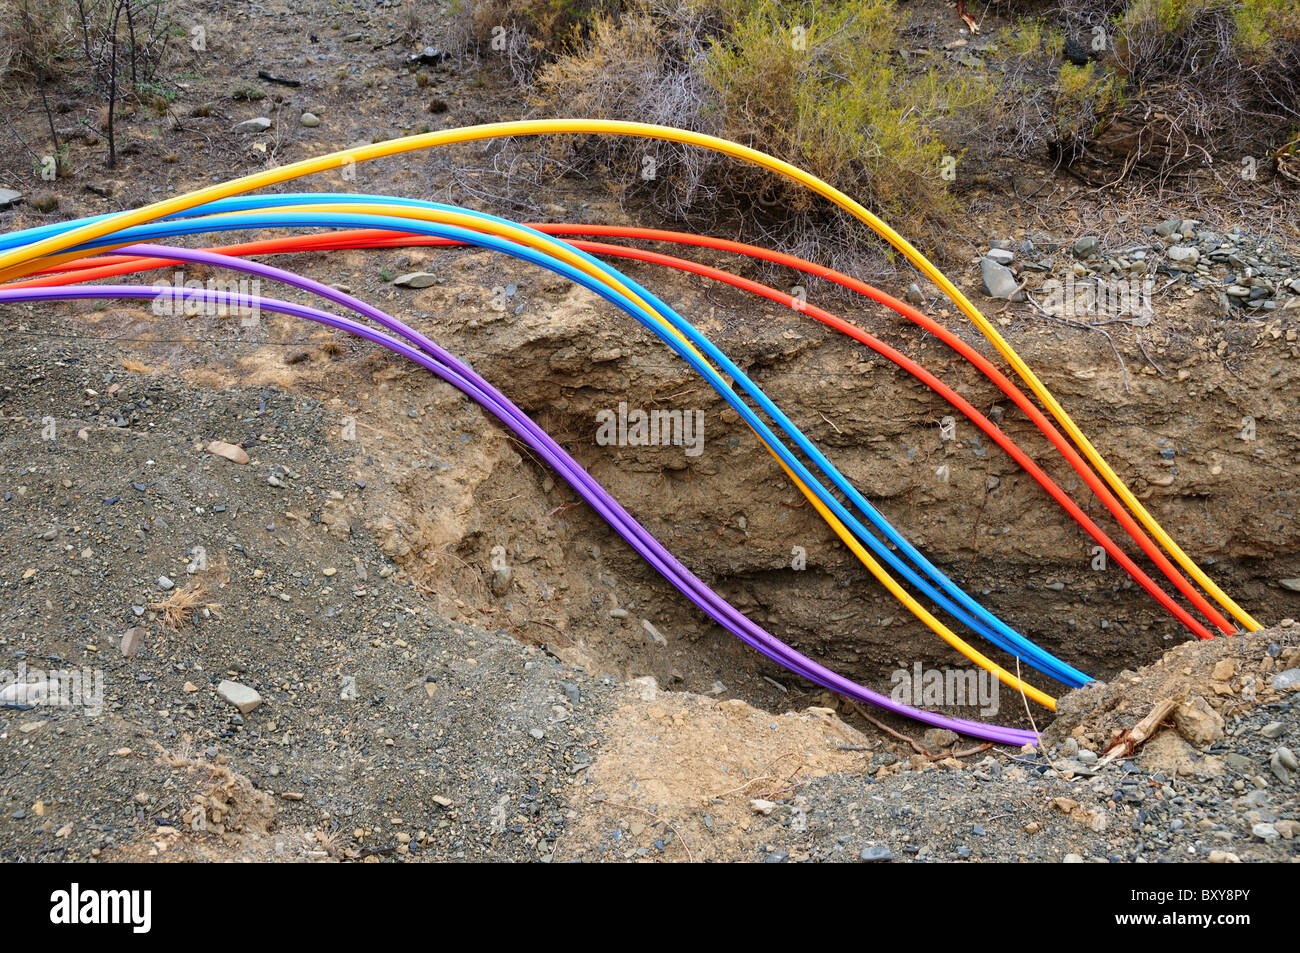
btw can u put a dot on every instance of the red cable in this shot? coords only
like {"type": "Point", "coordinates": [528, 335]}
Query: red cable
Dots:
{"type": "Point", "coordinates": [109, 266]}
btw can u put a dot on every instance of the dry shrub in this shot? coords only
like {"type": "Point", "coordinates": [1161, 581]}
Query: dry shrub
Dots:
{"type": "Point", "coordinates": [817, 84]}
{"type": "Point", "coordinates": [1202, 77]}
{"type": "Point", "coordinates": [32, 32]}
{"type": "Point", "coordinates": [524, 33]}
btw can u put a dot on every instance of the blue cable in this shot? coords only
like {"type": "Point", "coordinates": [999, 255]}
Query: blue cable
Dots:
{"type": "Point", "coordinates": [995, 630]}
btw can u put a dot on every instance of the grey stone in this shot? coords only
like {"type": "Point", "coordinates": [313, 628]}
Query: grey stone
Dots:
{"type": "Point", "coordinates": [876, 855]}
{"type": "Point", "coordinates": [1265, 832]}
{"type": "Point", "coordinates": [1286, 758]}
{"type": "Point", "coordinates": [999, 282]}
{"type": "Point", "coordinates": [9, 198]}
{"type": "Point", "coordinates": [1285, 681]}
{"type": "Point", "coordinates": [1002, 256]}
{"type": "Point", "coordinates": [310, 120]}
{"type": "Point", "coordinates": [1086, 247]}
{"type": "Point", "coordinates": [239, 695]}
{"type": "Point", "coordinates": [415, 279]}
{"type": "Point", "coordinates": [1292, 584]}
{"type": "Point", "coordinates": [132, 639]}
{"type": "Point", "coordinates": [260, 124]}
{"type": "Point", "coordinates": [164, 583]}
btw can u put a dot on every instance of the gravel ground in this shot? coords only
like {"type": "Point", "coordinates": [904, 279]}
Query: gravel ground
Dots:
{"type": "Point", "coordinates": [382, 728]}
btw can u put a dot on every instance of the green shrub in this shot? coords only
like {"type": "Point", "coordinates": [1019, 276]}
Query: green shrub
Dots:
{"type": "Point", "coordinates": [817, 84]}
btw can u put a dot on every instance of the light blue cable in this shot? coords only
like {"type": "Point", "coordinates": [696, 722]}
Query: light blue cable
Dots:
{"type": "Point", "coordinates": [995, 631]}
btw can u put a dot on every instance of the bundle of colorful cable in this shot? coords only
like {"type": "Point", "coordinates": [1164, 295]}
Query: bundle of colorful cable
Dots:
{"type": "Point", "coordinates": [64, 250]}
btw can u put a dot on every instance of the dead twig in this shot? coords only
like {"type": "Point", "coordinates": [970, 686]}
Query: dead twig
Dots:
{"type": "Point", "coordinates": [1128, 741]}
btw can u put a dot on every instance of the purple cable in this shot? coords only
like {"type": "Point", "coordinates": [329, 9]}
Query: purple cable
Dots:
{"type": "Point", "coordinates": [447, 367]}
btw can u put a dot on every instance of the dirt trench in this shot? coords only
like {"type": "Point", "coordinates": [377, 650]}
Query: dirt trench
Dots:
{"type": "Point", "coordinates": [488, 534]}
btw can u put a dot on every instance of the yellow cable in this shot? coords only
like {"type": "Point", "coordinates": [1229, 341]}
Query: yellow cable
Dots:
{"type": "Point", "coordinates": [918, 610]}
{"type": "Point", "coordinates": [563, 251]}
{"type": "Point", "coordinates": [12, 262]}
{"type": "Point", "coordinates": [17, 263]}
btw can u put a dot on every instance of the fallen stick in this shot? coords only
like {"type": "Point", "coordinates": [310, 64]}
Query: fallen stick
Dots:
{"type": "Point", "coordinates": [1128, 741]}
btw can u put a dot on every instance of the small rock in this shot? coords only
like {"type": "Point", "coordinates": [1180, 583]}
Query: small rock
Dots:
{"type": "Point", "coordinates": [229, 451]}
{"type": "Point", "coordinates": [1224, 857]}
{"type": "Point", "coordinates": [415, 279]}
{"type": "Point", "coordinates": [1292, 584]}
{"type": "Point", "coordinates": [875, 855]}
{"type": "Point", "coordinates": [936, 739]}
{"type": "Point", "coordinates": [761, 806]}
{"type": "Point", "coordinates": [1002, 256]}
{"type": "Point", "coordinates": [9, 198]}
{"type": "Point", "coordinates": [132, 639]}
{"type": "Point", "coordinates": [914, 296]}
{"type": "Point", "coordinates": [1285, 758]}
{"type": "Point", "coordinates": [1285, 681]}
{"type": "Point", "coordinates": [241, 696]}
{"type": "Point", "coordinates": [310, 120]}
{"type": "Point", "coordinates": [1086, 247]}
{"type": "Point", "coordinates": [1265, 832]}
{"type": "Point", "coordinates": [999, 282]}
{"type": "Point", "coordinates": [1072, 859]}
{"type": "Point", "coordinates": [260, 124]}
{"type": "Point", "coordinates": [1198, 722]}
{"type": "Point", "coordinates": [165, 584]}
{"type": "Point", "coordinates": [1273, 729]}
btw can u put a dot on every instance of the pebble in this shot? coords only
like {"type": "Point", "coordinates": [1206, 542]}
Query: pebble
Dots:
{"type": "Point", "coordinates": [415, 279]}
{"type": "Point", "coordinates": [165, 584]}
{"type": "Point", "coordinates": [1273, 729]}
{"type": "Point", "coordinates": [1285, 681]}
{"type": "Point", "coordinates": [1086, 247]}
{"type": "Point", "coordinates": [762, 806]}
{"type": "Point", "coordinates": [310, 120]}
{"type": "Point", "coordinates": [875, 855]}
{"type": "Point", "coordinates": [239, 695]}
{"type": "Point", "coordinates": [132, 638]}
{"type": "Point", "coordinates": [1223, 857]}
{"type": "Point", "coordinates": [9, 198]}
{"type": "Point", "coordinates": [229, 451]}
{"type": "Point", "coordinates": [1265, 832]}
{"type": "Point", "coordinates": [999, 281]}
{"type": "Point", "coordinates": [260, 124]}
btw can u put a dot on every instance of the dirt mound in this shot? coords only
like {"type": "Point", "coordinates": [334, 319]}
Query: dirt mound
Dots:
{"type": "Point", "coordinates": [1210, 682]}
